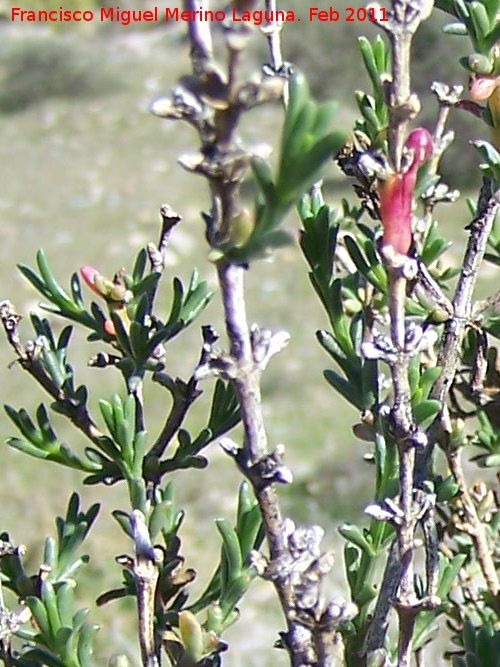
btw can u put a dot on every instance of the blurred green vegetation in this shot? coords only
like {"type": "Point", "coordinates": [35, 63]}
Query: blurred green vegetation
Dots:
{"type": "Point", "coordinates": [53, 65]}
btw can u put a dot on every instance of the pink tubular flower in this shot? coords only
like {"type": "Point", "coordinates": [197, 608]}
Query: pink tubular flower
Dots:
{"type": "Point", "coordinates": [396, 194]}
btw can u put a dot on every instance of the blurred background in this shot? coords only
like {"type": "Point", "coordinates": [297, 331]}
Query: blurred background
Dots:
{"type": "Point", "coordinates": [84, 171]}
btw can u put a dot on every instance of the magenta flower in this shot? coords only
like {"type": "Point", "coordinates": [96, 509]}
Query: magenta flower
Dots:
{"type": "Point", "coordinates": [396, 194]}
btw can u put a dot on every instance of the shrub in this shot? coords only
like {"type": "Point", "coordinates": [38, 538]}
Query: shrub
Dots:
{"type": "Point", "coordinates": [413, 355]}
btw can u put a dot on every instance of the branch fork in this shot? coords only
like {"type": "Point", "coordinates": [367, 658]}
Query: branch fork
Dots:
{"type": "Point", "coordinates": [303, 567]}
{"type": "Point", "coordinates": [267, 470]}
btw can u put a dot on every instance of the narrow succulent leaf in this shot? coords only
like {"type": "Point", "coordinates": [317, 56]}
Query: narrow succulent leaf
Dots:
{"type": "Point", "coordinates": [108, 415]}
{"type": "Point", "coordinates": [264, 177]}
{"type": "Point", "coordinates": [232, 549]}
{"type": "Point", "coordinates": [35, 280]}
{"type": "Point", "coordinates": [139, 265]}
{"type": "Point", "coordinates": [40, 656]}
{"type": "Point", "coordinates": [344, 388]}
{"type": "Point", "coordinates": [381, 54]}
{"type": "Point", "coordinates": [65, 603]}
{"type": "Point", "coordinates": [298, 135]}
{"type": "Point", "coordinates": [246, 502]}
{"type": "Point", "coordinates": [425, 412]}
{"type": "Point", "coordinates": [298, 97]}
{"type": "Point", "coordinates": [66, 642]}
{"type": "Point", "coordinates": [27, 448]}
{"type": "Point", "coordinates": [456, 28]}
{"type": "Point", "coordinates": [23, 422]}
{"type": "Point", "coordinates": [139, 452]}
{"type": "Point", "coordinates": [123, 520]}
{"type": "Point", "coordinates": [368, 56]}
{"type": "Point", "coordinates": [85, 648]}
{"type": "Point", "coordinates": [53, 367]}
{"type": "Point", "coordinates": [339, 320]}
{"type": "Point", "coordinates": [428, 378]}
{"type": "Point", "coordinates": [175, 310]}
{"type": "Point", "coordinates": [39, 614]}
{"type": "Point", "coordinates": [49, 600]}
{"type": "Point", "coordinates": [50, 553]}
{"type": "Point", "coordinates": [56, 291]}
{"type": "Point", "coordinates": [355, 536]}
{"type": "Point", "coordinates": [248, 530]}
{"type": "Point", "coordinates": [121, 334]}
{"type": "Point", "coordinates": [480, 20]}
{"type": "Point", "coordinates": [493, 36]}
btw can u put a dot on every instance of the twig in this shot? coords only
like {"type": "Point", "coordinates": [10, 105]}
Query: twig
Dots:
{"type": "Point", "coordinates": [462, 303]}
{"type": "Point", "coordinates": [135, 387]}
{"type": "Point", "coordinates": [5, 637]}
{"type": "Point", "coordinates": [473, 525]}
{"type": "Point", "coordinates": [375, 637]}
{"type": "Point", "coordinates": [145, 572]}
{"type": "Point", "coordinates": [456, 327]}
{"type": "Point", "coordinates": [157, 254]}
{"type": "Point", "coordinates": [247, 385]}
{"type": "Point", "coordinates": [183, 396]}
{"type": "Point", "coordinates": [400, 94]}
{"type": "Point", "coordinates": [310, 623]}
{"type": "Point", "coordinates": [404, 20]}
{"type": "Point", "coordinates": [27, 356]}
{"type": "Point", "coordinates": [273, 34]}
{"type": "Point", "coordinates": [200, 35]}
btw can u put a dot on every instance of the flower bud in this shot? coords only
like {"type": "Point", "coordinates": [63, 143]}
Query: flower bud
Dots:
{"type": "Point", "coordinates": [191, 634]}
{"type": "Point", "coordinates": [420, 142]}
{"type": "Point", "coordinates": [89, 274]}
{"type": "Point", "coordinates": [241, 228]}
{"type": "Point", "coordinates": [482, 87]}
{"type": "Point", "coordinates": [480, 64]}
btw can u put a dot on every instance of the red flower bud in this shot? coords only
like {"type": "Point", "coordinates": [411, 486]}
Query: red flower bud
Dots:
{"type": "Point", "coordinates": [396, 194]}
{"type": "Point", "coordinates": [487, 87]}
{"type": "Point", "coordinates": [482, 87]}
{"type": "Point", "coordinates": [109, 328]}
{"type": "Point", "coordinates": [420, 142]}
{"type": "Point", "coordinates": [89, 274]}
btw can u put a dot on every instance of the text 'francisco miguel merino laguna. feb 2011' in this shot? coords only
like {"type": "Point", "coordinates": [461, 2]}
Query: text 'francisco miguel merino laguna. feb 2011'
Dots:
{"type": "Point", "coordinates": [126, 17]}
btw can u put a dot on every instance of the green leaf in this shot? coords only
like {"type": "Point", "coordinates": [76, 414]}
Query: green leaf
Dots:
{"type": "Point", "coordinates": [58, 295]}
{"type": "Point", "coordinates": [428, 378]}
{"type": "Point", "coordinates": [178, 293]}
{"type": "Point", "coordinates": [264, 177]}
{"type": "Point", "coordinates": [76, 291]}
{"type": "Point", "coordinates": [491, 158]}
{"type": "Point", "coordinates": [123, 520]}
{"type": "Point", "coordinates": [343, 387]}
{"type": "Point", "coordinates": [356, 536]}
{"type": "Point", "coordinates": [231, 548]}
{"type": "Point", "coordinates": [455, 29]}
{"type": "Point", "coordinates": [425, 412]}
{"type": "Point", "coordinates": [480, 20]}
{"type": "Point", "coordinates": [40, 656]}
{"type": "Point", "coordinates": [369, 61]}
{"type": "Point", "coordinates": [49, 600]}
{"type": "Point", "coordinates": [139, 266]}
